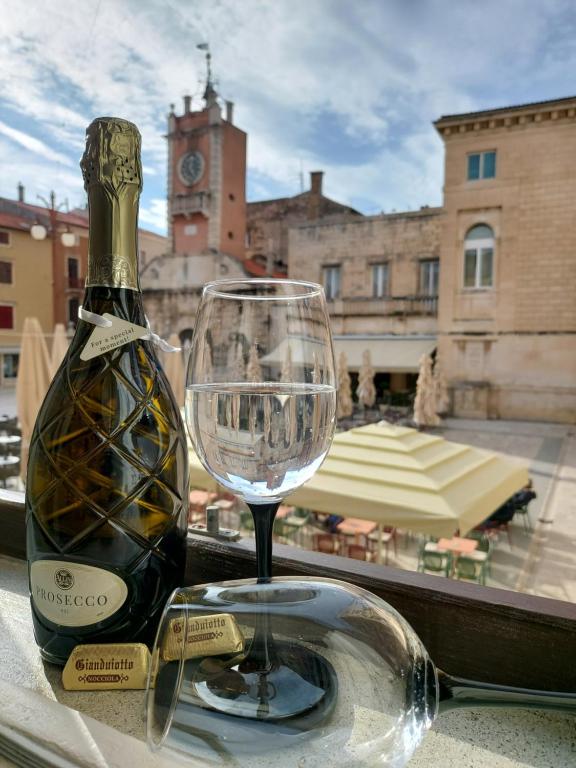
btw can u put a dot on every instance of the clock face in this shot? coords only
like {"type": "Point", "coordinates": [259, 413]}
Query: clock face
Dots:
{"type": "Point", "coordinates": [191, 168]}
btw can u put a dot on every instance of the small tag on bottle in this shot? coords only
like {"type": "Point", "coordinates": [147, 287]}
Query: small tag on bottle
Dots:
{"type": "Point", "coordinates": [104, 667]}
{"type": "Point", "coordinates": [116, 335]}
{"type": "Point", "coordinates": [212, 635]}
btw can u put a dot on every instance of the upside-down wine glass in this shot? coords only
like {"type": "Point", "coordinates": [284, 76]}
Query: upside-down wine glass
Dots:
{"type": "Point", "coordinates": [261, 411]}
{"type": "Point", "coordinates": [388, 690]}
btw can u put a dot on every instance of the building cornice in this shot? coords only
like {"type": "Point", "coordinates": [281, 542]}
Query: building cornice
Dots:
{"type": "Point", "coordinates": [557, 110]}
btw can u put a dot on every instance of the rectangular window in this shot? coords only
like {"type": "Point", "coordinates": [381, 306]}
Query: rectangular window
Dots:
{"type": "Point", "coordinates": [478, 267]}
{"type": "Point", "coordinates": [4, 237]}
{"type": "Point", "coordinates": [486, 258]}
{"type": "Point", "coordinates": [473, 167]}
{"type": "Point", "coordinates": [482, 165]}
{"type": "Point", "coordinates": [6, 316]}
{"type": "Point", "coordinates": [331, 281]}
{"type": "Point", "coordinates": [489, 165]}
{"type": "Point", "coordinates": [379, 280]}
{"type": "Point", "coordinates": [10, 366]}
{"type": "Point", "coordinates": [72, 267]}
{"type": "Point", "coordinates": [429, 275]}
{"type": "Point", "coordinates": [470, 268]}
{"type": "Point", "coordinates": [6, 272]}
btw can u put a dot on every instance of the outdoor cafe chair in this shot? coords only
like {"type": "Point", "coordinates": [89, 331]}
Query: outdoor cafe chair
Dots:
{"type": "Point", "coordinates": [470, 569]}
{"type": "Point", "coordinates": [356, 552]}
{"type": "Point", "coordinates": [439, 562]}
{"type": "Point", "coordinates": [485, 544]}
{"type": "Point", "coordinates": [522, 510]}
{"type": "Point", "coordinates": [284, 531]}
{"type": "Point", "coordinates": [388, 537]}
{"type": "Point", "coordinates": [326, 542]}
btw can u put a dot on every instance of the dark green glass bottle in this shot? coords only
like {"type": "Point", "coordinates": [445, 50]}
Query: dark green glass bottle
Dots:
{"type": "Point", "coordinates": [107, 483]}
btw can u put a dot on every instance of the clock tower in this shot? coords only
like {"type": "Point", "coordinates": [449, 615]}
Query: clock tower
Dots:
{"type": "Point", "coordinates": [206, 182]}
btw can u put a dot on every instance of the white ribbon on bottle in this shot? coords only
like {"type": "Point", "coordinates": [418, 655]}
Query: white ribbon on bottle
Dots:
{"type": "Point", "coordinates": [102, 322]}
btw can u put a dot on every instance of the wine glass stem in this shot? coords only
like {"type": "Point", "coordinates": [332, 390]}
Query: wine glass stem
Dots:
{"type": "Point", "coordinates": [263, 515]}
{"type": "Point", "coordinates": [456, 692]}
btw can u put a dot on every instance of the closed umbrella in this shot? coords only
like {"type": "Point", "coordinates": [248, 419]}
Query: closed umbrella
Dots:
{"type": "Point", "coordinates": [425, 400]}
{"type": "Point", "coordinates": [33, 381]}
{"type": "Point", "coordinates": [59, 348]}
{"type": "Point", "coordinates": [366, 390]}
{"type": "Point", "coordinates": [174, 370]}
{"type": "Point", "coordinates": [344, 403]}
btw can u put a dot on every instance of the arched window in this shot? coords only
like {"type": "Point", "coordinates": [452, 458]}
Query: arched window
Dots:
{"type": "Point", "coordinates": [479, 257]}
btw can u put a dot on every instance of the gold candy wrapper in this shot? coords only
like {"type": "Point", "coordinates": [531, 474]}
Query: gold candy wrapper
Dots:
{"type": "Point", "coordinates": [105, 667]}
{"type": "Point", "coordinates": [206, 636]}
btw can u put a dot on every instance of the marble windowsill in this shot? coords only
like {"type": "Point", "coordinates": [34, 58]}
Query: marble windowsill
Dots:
{"type": "Point", "coordinates": [474, 738]}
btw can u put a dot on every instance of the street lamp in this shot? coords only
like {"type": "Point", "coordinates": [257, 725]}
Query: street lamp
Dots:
{"type": "Point", "coordinates": [38, 231]}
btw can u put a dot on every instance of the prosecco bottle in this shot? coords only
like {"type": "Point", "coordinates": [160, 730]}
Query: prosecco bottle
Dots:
{"type": "Point", "coordinates": [106, 490]}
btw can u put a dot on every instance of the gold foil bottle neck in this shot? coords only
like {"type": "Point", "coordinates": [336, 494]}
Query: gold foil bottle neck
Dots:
{"type": "Point", "coordinates": [112, 173]}
{"type": "Point", "coordinates": [112, 154]}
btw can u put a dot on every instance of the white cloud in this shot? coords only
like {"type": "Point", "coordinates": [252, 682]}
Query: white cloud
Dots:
{"type": "Point", "coordinates": [34, 145]}
{"type": "Point", "coordinates": [381, 71]}
{"type": "Point", "coordinates": [154, 214]}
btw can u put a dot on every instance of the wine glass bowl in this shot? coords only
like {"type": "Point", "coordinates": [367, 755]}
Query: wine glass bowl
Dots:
{"type": "Point", "coordinates": [260, 402]}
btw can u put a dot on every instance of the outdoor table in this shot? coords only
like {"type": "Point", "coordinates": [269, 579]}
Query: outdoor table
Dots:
{"type": "Point", "coordinates": [353, 526]}
{"type": "Point", "coordinates": [6, 440]}
{"type": "Point", "coordinates": [9, 444]}
{"type": "Point", "coordinates": [8, 466]}
{"type": "Point", "coordinates": [458, 545]}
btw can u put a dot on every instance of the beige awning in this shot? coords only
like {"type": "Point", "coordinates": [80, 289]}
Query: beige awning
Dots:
{"type": "Point", "coordinates": [390, 354]}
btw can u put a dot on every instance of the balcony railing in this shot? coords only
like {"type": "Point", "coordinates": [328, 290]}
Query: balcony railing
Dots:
{"type": "Point", "coordinates": [197, 202]}
{"type": "Point", "coordinates": [387, 305]}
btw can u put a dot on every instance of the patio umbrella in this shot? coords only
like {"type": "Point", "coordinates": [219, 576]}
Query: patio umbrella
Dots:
{"type": "Point", "coordinates": [425, 400]}
{"type": "Point", "coordinates": [174, 370]}
{"type": "Point", "coordinates": [33, 381]}
{"type": "Point", "coordinates": [344, 403]}
{"type": "Point", "coordinates": [366, 390]}
{"type": "Point", "coordinates": [60, 345]}
{"type": "Point", "coordinates": [400, 477]}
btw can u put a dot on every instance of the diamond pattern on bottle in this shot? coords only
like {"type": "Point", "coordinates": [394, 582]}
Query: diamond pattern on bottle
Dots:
{"type": "Point", "coordinates": [119, 472]}
{"type": "Point", "coordinates": [63, 516]}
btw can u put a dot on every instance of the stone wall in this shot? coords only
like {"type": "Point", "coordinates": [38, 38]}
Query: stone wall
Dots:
{"type": "Point", "coordinates": [401, 240]}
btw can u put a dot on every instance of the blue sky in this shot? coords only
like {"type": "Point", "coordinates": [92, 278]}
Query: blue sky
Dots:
{"type": "Point", "coordinates": [350, 88]}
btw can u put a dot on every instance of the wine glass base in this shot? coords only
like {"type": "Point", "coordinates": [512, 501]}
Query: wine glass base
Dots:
{"type": "Point", "coordinates": [298, 681]}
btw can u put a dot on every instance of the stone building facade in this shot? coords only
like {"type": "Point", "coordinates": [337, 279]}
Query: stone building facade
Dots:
{"type": "Point", "coordinates": [43, 267]}
{"type": "Point", "coordinates": [507, 312]}
{"type": "Point", "coordinates": [269, 221]}
{"type": "Point", "coordinates": [488, 280]}
{"type": "Point", "coordinates": [380, 274]}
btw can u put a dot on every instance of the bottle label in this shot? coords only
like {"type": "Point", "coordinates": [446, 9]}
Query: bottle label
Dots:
{"type": "Point", "coordinates": [73, 594]}
{"type": "Point", "coordinates": [119, 332]}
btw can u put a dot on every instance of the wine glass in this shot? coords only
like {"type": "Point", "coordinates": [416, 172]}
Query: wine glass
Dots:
{"type": "Point", "coordinates": [261, 412]}
{"type": "Point", "coordinates": [387, 693]}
